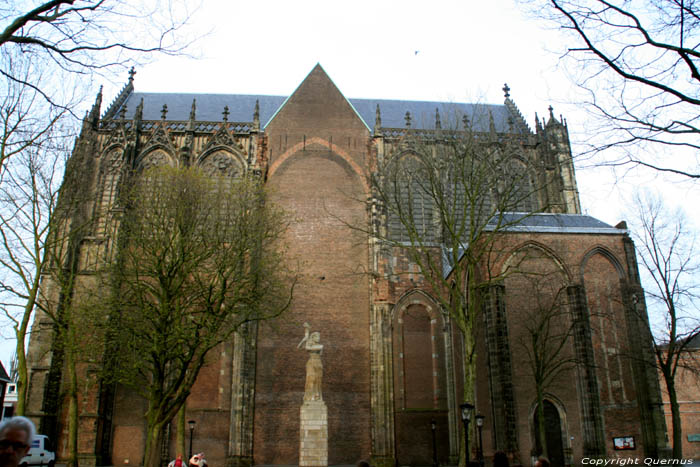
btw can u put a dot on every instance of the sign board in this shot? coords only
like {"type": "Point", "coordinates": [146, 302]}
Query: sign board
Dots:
{"type": "Point", "coordinates": [624, 443]}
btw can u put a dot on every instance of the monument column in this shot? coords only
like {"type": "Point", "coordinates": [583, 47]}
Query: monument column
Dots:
{"type": "Point", "coordinates": [313, 440]}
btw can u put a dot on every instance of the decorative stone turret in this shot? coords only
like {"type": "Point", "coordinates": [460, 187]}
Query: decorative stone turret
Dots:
{"type": "Point", "coordinates": [554, 149]}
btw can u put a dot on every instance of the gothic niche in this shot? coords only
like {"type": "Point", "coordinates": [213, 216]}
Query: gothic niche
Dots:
{"type": "Point", "coordinates": [222, 163]}
{"type": "Point", "coordinates": [113, 161]}
{"type": "Point", "coordinates": [156, 158]}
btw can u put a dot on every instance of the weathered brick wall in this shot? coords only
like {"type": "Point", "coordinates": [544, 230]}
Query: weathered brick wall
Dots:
{"type": "Point", "coordinates": [688, 390]}
{"type": "Point", "coordinates": [318, 180]}
{"type": "Point", "coordinates": [612, 351]}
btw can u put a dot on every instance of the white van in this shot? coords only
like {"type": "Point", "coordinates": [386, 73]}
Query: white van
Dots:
{"type": "Point", "coordinates": [39, 453]}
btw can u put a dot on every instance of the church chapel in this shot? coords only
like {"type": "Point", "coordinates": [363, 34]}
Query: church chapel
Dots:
{"type": "Point", "coordinates": [393, 360]}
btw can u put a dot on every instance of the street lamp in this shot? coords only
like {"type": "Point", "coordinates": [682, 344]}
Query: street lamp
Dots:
{"type": "Point", "coordinates": [432, 428]}
{"type": "Point", "coordinates": [480, 451]}
{"type": "Point", "coordinates": [466, 418]}
{"type": "Point", "coordinates": [191, 423]}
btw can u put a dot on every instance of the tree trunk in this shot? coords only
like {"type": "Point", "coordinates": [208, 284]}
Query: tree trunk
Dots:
{"type": "Point", "coordinates": [469, 380]}
{"type": "Point", "coordinates": [21, 334]}
{"type": "Point", "coordinates": [675, 419]}
{"type": "Point", "coordinates": [180, 436]}
{"type": "Point", "coordinates": [151, 456]}
{"type": "Point", "coordinates": [542, 432]}
{"type": "Point", "coordinates": [72, 411]}
{"type": "Point", "coordinates": [21, 377]}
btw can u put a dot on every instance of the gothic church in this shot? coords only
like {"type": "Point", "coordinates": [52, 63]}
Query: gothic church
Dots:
{"type": "Point", "coordinates": [392, 360]}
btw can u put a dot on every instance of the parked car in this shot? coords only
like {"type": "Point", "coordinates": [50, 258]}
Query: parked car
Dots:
{"type": "Point", "coordinates": [40, 453]}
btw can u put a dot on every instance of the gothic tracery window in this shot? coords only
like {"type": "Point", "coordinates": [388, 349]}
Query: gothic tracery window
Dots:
{"type": "Point", "coordinates": [155, 158]}
{"type": "Point", "coordinates": [222, 163]}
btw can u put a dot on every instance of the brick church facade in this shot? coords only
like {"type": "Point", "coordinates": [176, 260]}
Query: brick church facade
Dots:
{"type": "Point", "coordinates": [392, 360]}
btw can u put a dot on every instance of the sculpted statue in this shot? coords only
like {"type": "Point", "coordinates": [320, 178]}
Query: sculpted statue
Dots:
{"type": "Point", "coordinates": [314, 367]}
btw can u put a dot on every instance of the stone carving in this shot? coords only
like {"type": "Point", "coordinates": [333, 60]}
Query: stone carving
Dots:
{"type": "Point", "coordinates": [314, 366]}
{"type": "Point", "coordinates": [113, 161]}
{"type": "Point", "coordinates": [221, 163]}
{"type": "Point", "coordinates": [155, 159]}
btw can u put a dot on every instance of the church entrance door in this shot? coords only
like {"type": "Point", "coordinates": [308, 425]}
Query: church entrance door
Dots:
{"type": "Point", "coordinates": [552, 427]}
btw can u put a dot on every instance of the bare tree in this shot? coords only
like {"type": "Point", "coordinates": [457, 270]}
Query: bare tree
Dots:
{"type": "Point", "coordinates": [40, 234]}
{"type": "Point", "coordinates": [28, 204]}
{"type": "Point", "coordinates": [49, 54]}
{"type": "Point", "coordinates": [443, 203]}
{"type": "Point", "coordinates": [82, 38]}
{"type": "Point", "coordinates": [638, 64]}
{"type": "Point", "coordinates": [665, 244]}
{"type": "Point", "coordinates": [199, 258]}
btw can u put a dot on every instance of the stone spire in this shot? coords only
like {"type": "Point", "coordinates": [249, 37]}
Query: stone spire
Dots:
{"type": "Point", "coordinates": [377, 120]}
{"type": "Point", "coordinates": [492, 129]}
{"type": "Point", "coordinates": [438, 124]}
{"type": "Point", "coordinates": [552, 119]}
{"type": "Point", "coordinates": [94, 115]}
{"type": "Point", "coordinates": [138, 115]}
{"type": "Point", "coordinates": [408, 119]}
{"type": "Point", "coordinates": [193, 114]}
{"type": "Point", "coordinates": [256, 115]}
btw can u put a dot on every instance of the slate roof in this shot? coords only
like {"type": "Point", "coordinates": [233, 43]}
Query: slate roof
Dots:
{"type": "Point", "coordinates": [546, 223]}
{"type": "Point", "coordinates": [3, 374]}
{"type": "Point", "coordinates": [210, 108]}
{"type": "Point", "coordinates": [559, 223]}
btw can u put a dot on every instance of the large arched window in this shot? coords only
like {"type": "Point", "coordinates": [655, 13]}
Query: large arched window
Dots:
{"type": "Point", "coordinates": [520, 186]}
{"type": "Point", "coordinates": [110, 172]}
{"type": "Point", "coordinates": [409, 200]}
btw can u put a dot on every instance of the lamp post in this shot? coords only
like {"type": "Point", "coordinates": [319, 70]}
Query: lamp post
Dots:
{"type": "Point", "coordinates": [432, 428]}
{"type": "Point", "coordinates": [466, 418]}
{"type": "Point", "coordinates": [191, 423]}
{"type": "Point", "coordinates": [480, 452]}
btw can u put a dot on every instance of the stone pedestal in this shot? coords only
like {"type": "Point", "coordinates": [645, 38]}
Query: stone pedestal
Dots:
{"type": "Point", "coordinates": [313, 440]}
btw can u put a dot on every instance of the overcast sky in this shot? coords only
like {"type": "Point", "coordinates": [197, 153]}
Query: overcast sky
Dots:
{"type": "Point", "coordinates": [444, 50]}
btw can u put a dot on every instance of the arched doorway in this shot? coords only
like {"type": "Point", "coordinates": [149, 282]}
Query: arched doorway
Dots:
{"type": "Point", "coordinates": [420, 393]}
{"type": "Point", "coordinates": [553, 434]}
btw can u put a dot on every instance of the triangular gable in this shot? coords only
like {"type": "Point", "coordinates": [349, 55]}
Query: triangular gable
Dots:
{"type": "Point", "coordinates": [317, 99]}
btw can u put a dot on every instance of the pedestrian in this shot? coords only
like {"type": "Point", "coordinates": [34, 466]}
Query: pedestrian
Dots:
{"type": "Point", "coordinates": [16, 435]}
{"type": "Point", "coordinates": [177, 462]}
{"type": "Point", "coordinates": [500, 459]}
{"type": "Point", "coordinates": [542, 462]}
{"type": "Point", "coordinates": [198, 460]}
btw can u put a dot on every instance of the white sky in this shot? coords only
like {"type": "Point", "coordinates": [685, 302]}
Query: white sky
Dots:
{"type": "Point", "coordinates": [445, 50]}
